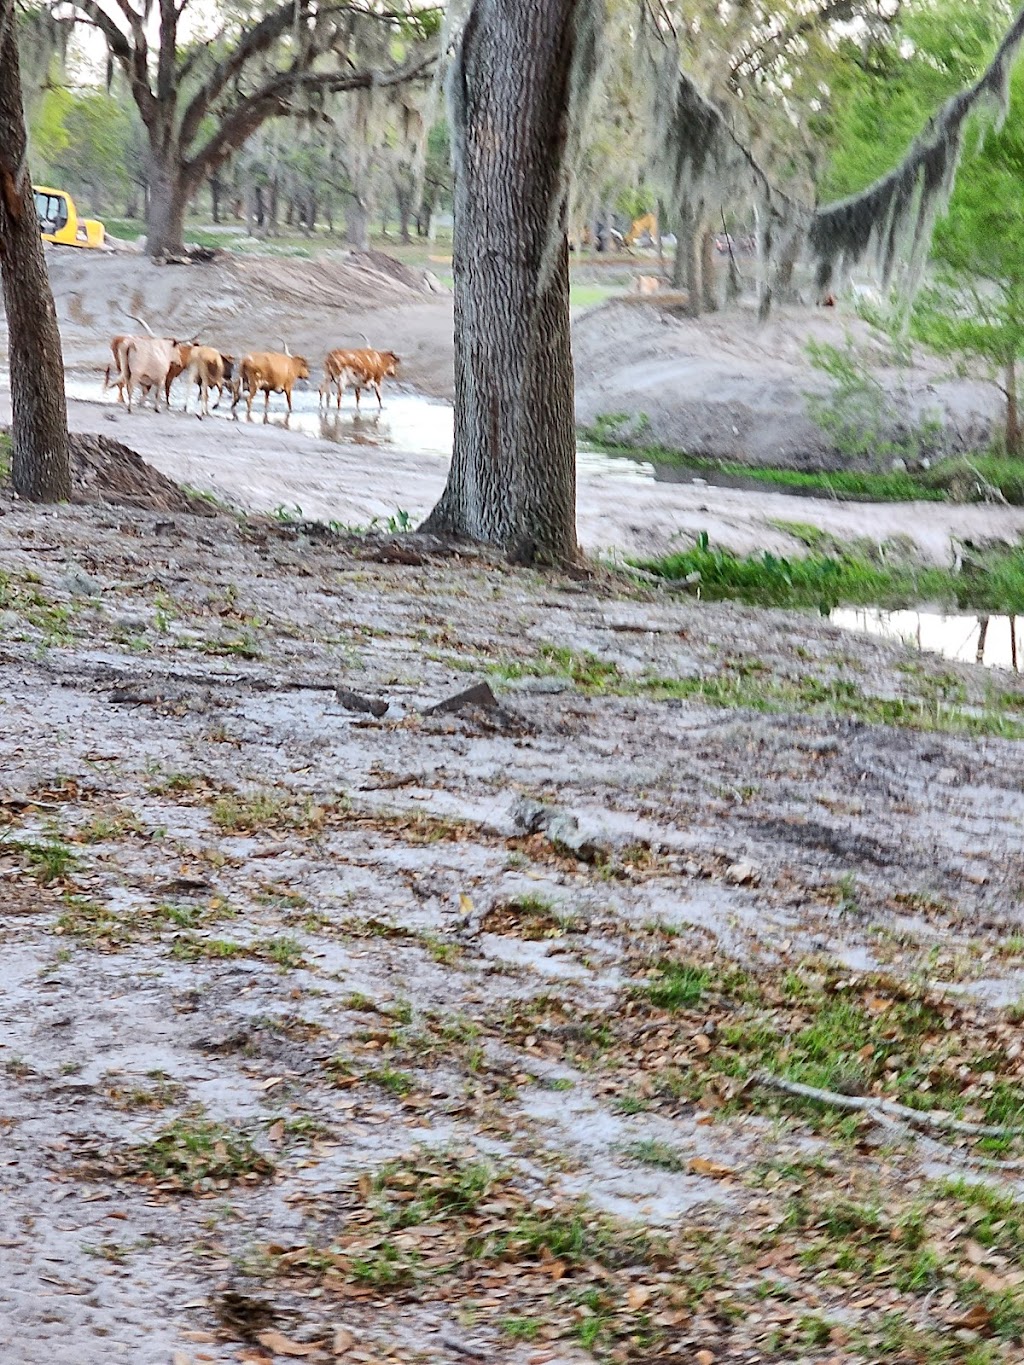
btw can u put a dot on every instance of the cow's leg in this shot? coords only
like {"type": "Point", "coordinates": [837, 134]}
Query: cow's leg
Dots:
{"type": "Point", "coordinates": [266, 404]}
{"type": "Point", "coordinates": [380, 401]}
{"type": "Point", "coordinates": [288, 398]}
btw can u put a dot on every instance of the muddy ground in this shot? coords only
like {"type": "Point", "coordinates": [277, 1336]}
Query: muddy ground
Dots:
{"type": "Point", "coordinates": [361, 474]}
{"type": "Point", "coordinates": [335, 1028]}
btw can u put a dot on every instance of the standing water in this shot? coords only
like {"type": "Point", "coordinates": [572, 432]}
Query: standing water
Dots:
{"type": "Point", "coordinates": [991, 640]}
{"type": "Point", "coordinates": [408, 421]}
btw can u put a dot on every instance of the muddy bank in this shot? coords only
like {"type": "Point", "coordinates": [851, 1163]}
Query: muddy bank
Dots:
{"type": "Point", "coordinates": [358, 475]}
{"type": "Point", "coordinates": [728, 387]}
{"type": "Point", "coordinates": [240, 303]}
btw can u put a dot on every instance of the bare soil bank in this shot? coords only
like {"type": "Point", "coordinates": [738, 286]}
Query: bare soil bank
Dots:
{"type": "Point", "coordinates": [239, 907]}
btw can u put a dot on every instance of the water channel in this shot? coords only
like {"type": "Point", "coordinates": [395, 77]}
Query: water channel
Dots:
{"type": "Point", "coordinates": [411, 421]}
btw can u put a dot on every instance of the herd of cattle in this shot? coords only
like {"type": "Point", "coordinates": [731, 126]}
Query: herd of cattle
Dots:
{"type": "Point", "coordinates": [152, 364]}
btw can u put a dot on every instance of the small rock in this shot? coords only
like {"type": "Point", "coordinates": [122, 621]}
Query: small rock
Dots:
{"type": "Point", "coordinates": [742, 874]}
{"type": "Point", "coordinates": [948, 775]}
{"type": "Point", "coordinates": [691, 869]}
{"type": "Point", "coordinates": [560, 826]}
{"type": "Point", "coordinates": [79, 583]}
{"type": "Point", "coordinates": [479, 694]}
{"type": "Point", "coordinates": [355, 701]}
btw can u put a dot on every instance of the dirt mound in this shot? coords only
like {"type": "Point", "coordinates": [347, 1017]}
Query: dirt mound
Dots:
{"type": "Point", "coordinates": [729, 387]}
{"type": "Point", "coordinates": [243, 303]}
{"type": "Point", "coordinates": [105, 471]}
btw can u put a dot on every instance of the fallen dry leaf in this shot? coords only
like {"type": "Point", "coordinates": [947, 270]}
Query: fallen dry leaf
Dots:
{"type": "Point", "coordinates": [976, 1317]}
{"type": "Point", "coordinates": [283, 1346]}
{"type": "Point", "coordinates": [705, 1358]}
{"type": "Point", "coordinates": [275, 1132]}
{"type": "Point", "coordinates": [343, 1341]}
{"type": "Point", "coordinates": [637, 1296]}
{"type": "Point", "coordinates": [700, 1165]}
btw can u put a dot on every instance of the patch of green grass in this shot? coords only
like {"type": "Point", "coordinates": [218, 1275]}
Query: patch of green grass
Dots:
{"type": "Point", "coordinates": [650, 1152]}
{"type": "Point", "coordinates": [399, 1083]}
{"type": "Point", "coordinates": [24, 598]}
{"type": "Point", "coordinates": [430, 1187]}
{"type": "Point", "coordinates": [937, 708]}
{"type": "Point", "coordinates": [97, 924]}
{"type": "Point", "coordinates": [48, 859]}
{"type": "Point", "coordinates": [247, 813]}
{"type": "Point", "coordinates": [283, 951]}
{"type": "Point", "coordinates": [677, 986]}
{"type": "Point", "coordinates": [521, 1329]}
{"type": "Point", "coordinates": [590, 673]}
{"type": "Point", "coordinates": [195, 1154]}
{"type": "Point", "coordinates": [188, 948]}
{"type": "Point", "coordinates": [385, 1266]}
{"type": "Point", "coordinates": [992, 581]}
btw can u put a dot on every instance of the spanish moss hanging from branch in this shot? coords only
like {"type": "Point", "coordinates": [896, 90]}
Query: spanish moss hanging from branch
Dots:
{"type": "Point", "coordinates": [706, 162]}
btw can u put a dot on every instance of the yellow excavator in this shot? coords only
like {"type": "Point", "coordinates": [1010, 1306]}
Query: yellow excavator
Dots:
{"type": "Point", "coordinates": [641, 227]}
{"type": "Point", "coordinates": [59, 220]}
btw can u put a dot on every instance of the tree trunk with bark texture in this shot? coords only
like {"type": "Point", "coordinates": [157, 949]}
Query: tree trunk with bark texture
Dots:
{"type": "Point", "coordinates": [1013, 426]}
{"type": "Point", "coordinates": [357, 222]}
{"type": "Point", "coordinates": [41, 466]}
{"type": "Point", "coordinates": [165, 216]}
{"type": "Point", "coordinates": [512, 481]}
{"type": "Point", "coordinates": [708, 286]}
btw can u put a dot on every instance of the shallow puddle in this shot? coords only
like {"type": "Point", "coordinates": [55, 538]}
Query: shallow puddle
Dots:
{"type": "Point", "coordinates": [996, 641]}
{"type": "Point", "coordinates": [408, 421]}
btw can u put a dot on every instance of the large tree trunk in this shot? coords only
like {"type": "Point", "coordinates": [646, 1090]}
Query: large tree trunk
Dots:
{"type": "Point", "coordinates": [165, 215]}
{"type": "Point", "coordinates": [513, 476]}
{"type": "Point", "coordinates": [41, 468]}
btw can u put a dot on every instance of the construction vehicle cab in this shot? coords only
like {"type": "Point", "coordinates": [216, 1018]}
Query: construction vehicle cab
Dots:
{"type": "Point", "coordinates": [59, 220]}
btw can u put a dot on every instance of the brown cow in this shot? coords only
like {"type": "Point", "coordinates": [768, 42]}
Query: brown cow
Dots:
{"type": "Point", "coordinates": [364, 369]}
{"type": "Point", "coordinates": [116, 347]}
{"type": "Point", "coordinates": [209, 369]}
{"type": "Point", "coordinates": [268, 372]}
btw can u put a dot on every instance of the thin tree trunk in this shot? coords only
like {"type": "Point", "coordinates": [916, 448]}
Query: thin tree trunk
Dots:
{"type": "Point", "coordinates": [357, 222]}
{"type": "Point", "coordinates": [513, 475]}
{"type": "Point", "coordinates": [1013, 431]}
{"type": "Point", "coordinates": [41, 467]}
{"type": "Point", "coordinates": [215, 189]}
{"type": "Point", "coordinates": [709, 291]}
{"type": "Point", "coordinates": [686, 266]}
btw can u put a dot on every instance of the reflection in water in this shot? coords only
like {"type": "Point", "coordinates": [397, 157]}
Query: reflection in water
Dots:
{"type": "Point", "coordinates": [409, 421]}
{"type": "Point", "coordinates": [990, 640]}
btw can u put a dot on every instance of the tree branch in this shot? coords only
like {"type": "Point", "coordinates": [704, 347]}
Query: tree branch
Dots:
{"type": "Point", "coordinates": [132, 59]}
{"type": "Point", "coordinates": [749, 62]}
{"type": "Point", "coordinates": [272, 99]}
{"type": "Point", "coordinates": [874, 1104]}
{"type": "Point", "coordinates": [259, 39]}
{"type": "Point", "coordinates": [894, 216]}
